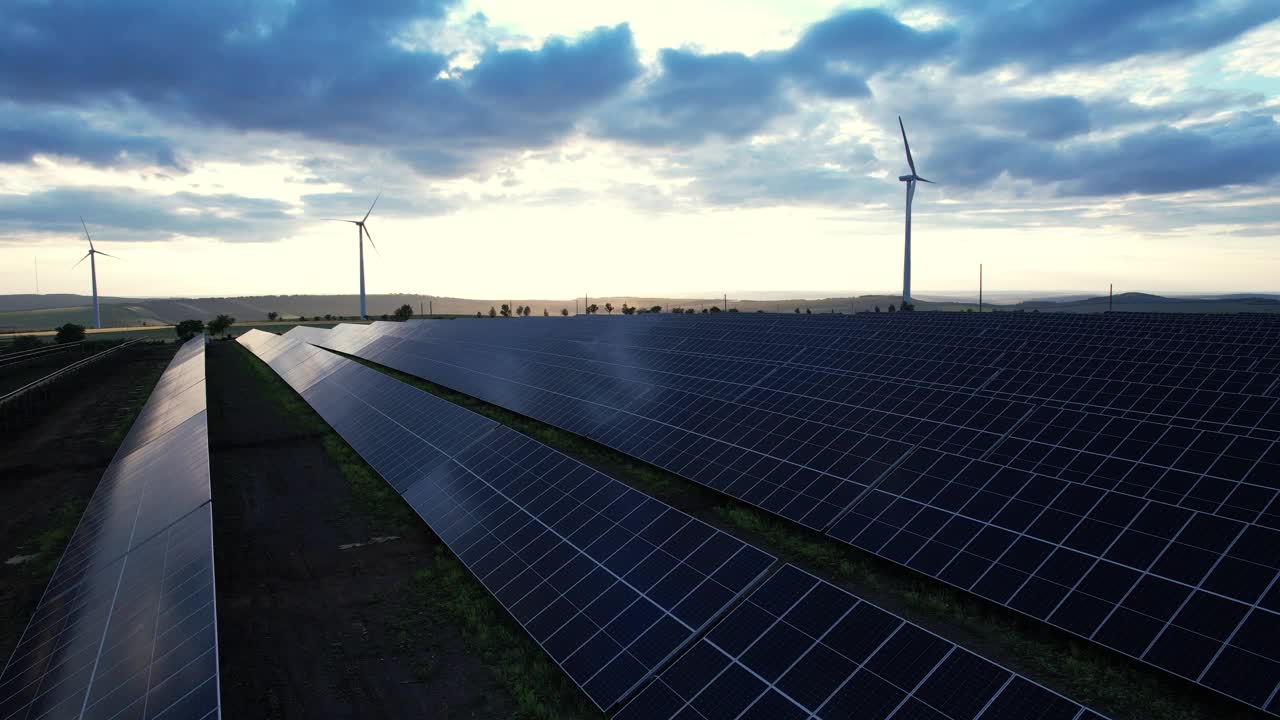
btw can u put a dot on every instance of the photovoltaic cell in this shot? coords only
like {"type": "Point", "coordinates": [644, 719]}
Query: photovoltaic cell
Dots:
{"type": "Point", "coordinates": [610, 582]}
{"type": "Point", "coordinates": [799, 647]}
{"type": "Point", "coordinates": [127, 625]}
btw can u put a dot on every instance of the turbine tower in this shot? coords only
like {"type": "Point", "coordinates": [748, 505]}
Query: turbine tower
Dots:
{"type": "Point", "coordinates": [361, 233]}
{"type": "Point", "coordinates": [93, 272]}
{"type": "Point", "coordinates": [910, 180]}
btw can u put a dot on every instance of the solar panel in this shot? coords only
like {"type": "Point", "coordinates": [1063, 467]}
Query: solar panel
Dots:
{"type": "Point", "coordinates": [1013, 536]}
{"type": "Point", "coordinates": [127, 625]}
{"type": "Point", "coordinates": [800, 647]}
{"type": "Point", "coordinates": [611, 583]}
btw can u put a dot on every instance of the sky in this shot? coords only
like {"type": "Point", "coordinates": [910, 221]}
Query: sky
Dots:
{"type": "Point", "coordinates": [659, 148]}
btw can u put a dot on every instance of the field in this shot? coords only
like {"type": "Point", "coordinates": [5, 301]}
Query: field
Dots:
{"type": "Point", "coordinates": [335, 600]}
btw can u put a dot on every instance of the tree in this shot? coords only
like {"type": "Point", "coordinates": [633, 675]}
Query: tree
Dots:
{"type": "Point", "coordinates": [688, 311]}
{"type": "Point", "coordinates": [69, 333]}
{"type": "Point", "coordinates": [478, 313]}
{"type": "Point", "coordinates": [715, 308]}
{"type": "Point", "coordinates": [891, 307]}
{"type": "Point", "coordinates": [592, 309]}
{"type": "Point", "coordinates": [492, 312]}
{"type": "Point", "coordinates": [907, 307]}
{"type": "Point", "coordinates": [273, 315]}
{"type": "Point", "coordinates": [404, 312]}
{"type": "Point", "coordinates": [506, 310]}
{"type": "Point", "coordinates": [628, 310]}
{"type": "Point", "coordinates": [26, 342]}
{"type": "Point", "coordinates": [677, 310]}
{"type": "Point", "coordinates": [519, 311]}
{"type": "Point", "coordinates": [188, 329]}
{"type": "Point", "coordinates": [302, 318]}
{"type": "Point", "coordinates": [328, 316]}
{"type": "Point", "coordinates": [733, 309]}
{"type": "Point", "coordinates": [608, 307]}
{"type": "Point", "coordinates": [220, 325]}
{"type": "Point", "coordinates": [564, 312]}
{"type": "Point", "coordinates": [808, 311]}
{"type": "Point", "coordinates": [877, 308]}
{"type": "Point", "coordinates": [527, 309]}
{"type": "Point", "coordinates": [797, 311]}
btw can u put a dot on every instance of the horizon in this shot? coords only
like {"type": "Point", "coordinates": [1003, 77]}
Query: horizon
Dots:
{"type": "Point", "coordinates": [527, 150]}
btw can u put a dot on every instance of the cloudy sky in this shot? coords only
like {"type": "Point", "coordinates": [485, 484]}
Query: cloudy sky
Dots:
{"type": "Point", "coordinates": [552, 148]}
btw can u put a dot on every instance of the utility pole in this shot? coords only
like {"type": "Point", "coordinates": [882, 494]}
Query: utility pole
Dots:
{"type": "Point", "coordinates": [431, 305]}
{"type": "Point", "coordinates": [419, 306]}
{"type": "Point", "coordinates": [979, 287]}
{"type": "Point", "coordinates": [726, 302]}
{"type": "Point", "coordinates": [1111, 289]}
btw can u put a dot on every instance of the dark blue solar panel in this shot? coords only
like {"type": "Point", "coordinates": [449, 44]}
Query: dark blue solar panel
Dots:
{"type": "Point", "coordinates": [1065, 515]}
{"type": "Point", "coordinates": [127, 624]}
{"type": "Point", "coordinates": [799, 647]}
{"type": "Point", "coordinates": [610, 582]}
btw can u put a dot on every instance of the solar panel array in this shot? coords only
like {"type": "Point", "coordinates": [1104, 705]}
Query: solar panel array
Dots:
{"type": "Point", "coordinates": [1149, 530]}
{"type": "Point", "coordinates": [617, 586]}
{"type": "Point", "coordinates": [127, 627]}
{"type": "Point", "coordinates": [611, 583]}
{"type": "Point", "coordinates": [800, 647]}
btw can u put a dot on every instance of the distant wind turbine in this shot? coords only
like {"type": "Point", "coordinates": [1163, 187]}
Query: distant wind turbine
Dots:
{"type": "Point", "coordinates": [93, 272]}
{"type": "Point", "coordinates": [362, 231]}
{"type": "Point", "coordinates": [910, 180]}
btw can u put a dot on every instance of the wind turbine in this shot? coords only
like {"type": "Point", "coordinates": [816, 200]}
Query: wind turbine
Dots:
{"type": "Point", "coordinates": [361, 233]}
{"type": "Point", "coordinates": [910, 180]}
{"type": "Point", "coordinates": [93, 272]}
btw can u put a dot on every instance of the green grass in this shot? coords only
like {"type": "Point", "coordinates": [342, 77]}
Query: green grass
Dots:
{"type": "Point", "coordinates": [444, 587]}
{"type": "Point", "coordinates": [50, 543]}
{"type": "Point", "coordinates": [137, 399]}
{"type": "Point", "coordinates": [540, 689]}
{"type": "Point", "coordinates": [1105, 681]}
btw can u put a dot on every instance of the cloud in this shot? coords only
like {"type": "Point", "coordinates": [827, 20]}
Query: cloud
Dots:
{"type": "Point", "coordinates": [124, 215]}
{"type": "Point", "coordinates": [25, 134]}
{"type": "Point", "coordinates": [324, 70]}
{"type": "Point", "coordinates": [1041, 36]}
{"type": "Point", "coordinates": [1244, 148]}
{"type": "Point", "coordinates": [696, 96]}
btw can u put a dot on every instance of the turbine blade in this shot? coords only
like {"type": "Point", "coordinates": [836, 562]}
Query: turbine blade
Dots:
{"type": "Point", "coordinates": [110, 256]}
{"type": "Point", "coordinates": [73, 267]}
{"type": "Point", "coordinates": [907, 145]}
{"type": "Point", "coordinates": [86, 232]}
{"type": "Point", "coordinates": [375, 202]}
{"type": "Point", "coordinates": [353, 222]}
{"type": "Point", "coordinates": [370, 236]}
{"type": "Point", "coordinates": [923, 180]}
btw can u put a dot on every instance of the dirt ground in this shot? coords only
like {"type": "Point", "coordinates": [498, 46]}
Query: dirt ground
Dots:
{"type": "Point", "coordinates": [308, 629]}
{"type": "Point", "coordinates": [50, 467]}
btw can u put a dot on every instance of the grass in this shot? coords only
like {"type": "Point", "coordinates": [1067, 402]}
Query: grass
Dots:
{"type": "Point", "coordinates": [1088, 673]}
{"type": "Point", "coordinates": [444, 587]}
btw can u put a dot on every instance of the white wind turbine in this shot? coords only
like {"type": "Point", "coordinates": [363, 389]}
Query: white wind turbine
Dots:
{"type": "Point", "coordinates": [93, 272]}
{"type": "Point", "coordinates": [361, 233]}
{"type": "Point", "coordinates": [910, 180]}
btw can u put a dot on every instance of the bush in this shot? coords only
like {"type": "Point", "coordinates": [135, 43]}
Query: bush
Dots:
{"type": "Point", "coordinates": [188, 329]}
{"type": "Point", "coordinates": [69, 333]}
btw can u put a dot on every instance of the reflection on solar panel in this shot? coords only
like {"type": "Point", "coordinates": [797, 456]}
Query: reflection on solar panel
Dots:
{"type": "Point", "coordinates": [1152, 538]}
{"type": "Point", "coordinates": [799, 647]}
{"type": "Point", "coordinates": [127, 625]}
{"type": "Point", "coordinates": [611, 583]}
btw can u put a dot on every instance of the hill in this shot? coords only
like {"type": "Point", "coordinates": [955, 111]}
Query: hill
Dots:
{"type": "Point", "coordinates": [20, 313]}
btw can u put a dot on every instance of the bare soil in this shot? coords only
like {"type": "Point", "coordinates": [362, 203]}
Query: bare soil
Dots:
{"type": "Point", "coordinates": [314, 619]}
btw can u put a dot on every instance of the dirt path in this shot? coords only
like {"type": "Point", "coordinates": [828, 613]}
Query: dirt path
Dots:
{"type": "Point", "coordinates": [50, 467]}
{"type": "Point", "coordinates": [308, 629]}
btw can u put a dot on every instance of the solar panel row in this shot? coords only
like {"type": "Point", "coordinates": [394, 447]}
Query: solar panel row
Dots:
{"type": "Point", "coordinates": [1176, 566]}
{"type": "Point", "coordinates": [501, 501]}
{"type": "Point", "coordinates": [611, 583]}
{"type": "Point", "coordinates": [127, 625]}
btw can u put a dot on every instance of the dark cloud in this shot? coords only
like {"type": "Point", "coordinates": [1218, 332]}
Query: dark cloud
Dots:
{"type": "Point", "coordinates": [1242, 149]}
{"type": "Point", "coordinates": [126, 215]}
{"type": "Point", "coordinates": [25, 134]}
{"type": "Point", "coordinates": [1042, 35]}
{"type": "Point", "coordinates": [695, 96]}
{"type": "Point", "coordinates": [323, 69]}
{"type": "Point", "coordinates": [1047, 118]}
